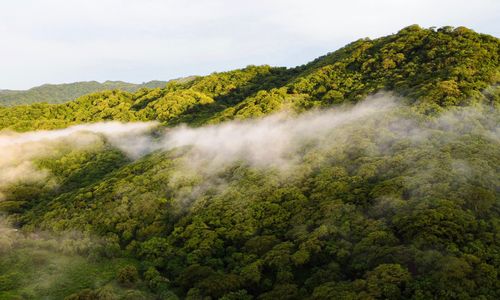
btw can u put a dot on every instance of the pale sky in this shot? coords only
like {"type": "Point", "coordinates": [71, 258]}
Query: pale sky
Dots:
{"type": "Point", "coordinates": [56, 41]}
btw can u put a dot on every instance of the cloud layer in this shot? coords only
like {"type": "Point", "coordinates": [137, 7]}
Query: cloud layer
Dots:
{"type": "Point", "coordinates": [278, 141]}
{"type": "Point", "coordinates": [20, 150]}
{"type": "Point", "coordinates": [271, 141]}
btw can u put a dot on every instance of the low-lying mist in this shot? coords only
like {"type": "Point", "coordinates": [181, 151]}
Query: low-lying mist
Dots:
{"type": "Point", "coordinates": [263, 142]}
{"type": "Point", "coordinates": [19, 151]}
{"type": "Point", "coordinates": [274, 141]}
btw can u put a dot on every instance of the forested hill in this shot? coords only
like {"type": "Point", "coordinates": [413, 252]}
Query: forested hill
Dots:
{"type": "Point", "coordinates": [377, 179]}
{"type": "Point", "coordinates": [59, 93]}
{"type": "Point", "coordinates": [432, 68]}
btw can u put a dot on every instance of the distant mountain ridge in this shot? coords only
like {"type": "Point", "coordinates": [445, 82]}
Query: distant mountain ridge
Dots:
{"type": "Point", "coordinates": [59, 93]}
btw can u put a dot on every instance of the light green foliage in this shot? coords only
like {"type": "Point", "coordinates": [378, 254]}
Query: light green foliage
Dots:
{"type": "Point", "coordinates": [43, 269]}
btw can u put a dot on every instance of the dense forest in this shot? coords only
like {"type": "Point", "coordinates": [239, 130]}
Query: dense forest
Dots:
{"type": "Point", "coordinates": [58, 93]}
{"type": "Point", "coordinates": [369, 173]}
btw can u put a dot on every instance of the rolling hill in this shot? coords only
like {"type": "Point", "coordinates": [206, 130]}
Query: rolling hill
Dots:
{"type": "Point", "coordinates": [59, 93]}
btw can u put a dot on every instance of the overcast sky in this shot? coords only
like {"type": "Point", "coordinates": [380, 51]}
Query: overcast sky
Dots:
{"type": "Point", "coordinates": [55, 41]}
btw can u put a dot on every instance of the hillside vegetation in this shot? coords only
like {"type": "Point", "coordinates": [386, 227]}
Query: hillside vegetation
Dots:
{"type": "Point", "coordinates": [433, 69]}
{"type": "Point", "coordinates": [377, 179]}
{"type": "Point", "coordinates": [59, 93]}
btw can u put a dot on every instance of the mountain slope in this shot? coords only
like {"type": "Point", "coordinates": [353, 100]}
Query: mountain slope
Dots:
{"type": "Point", "coordinates": [59, 93]}
{"type": "Point", "coordinates": [435, 69]}
{"type": "Point", "coordinates": [379, 181]}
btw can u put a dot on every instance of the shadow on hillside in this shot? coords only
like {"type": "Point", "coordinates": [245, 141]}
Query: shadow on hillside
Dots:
{"type": "Point", "coordinates": [201, 113]}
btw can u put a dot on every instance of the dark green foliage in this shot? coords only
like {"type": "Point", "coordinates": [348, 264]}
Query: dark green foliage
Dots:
{"type": "Point", "coordinates": [127, 276]}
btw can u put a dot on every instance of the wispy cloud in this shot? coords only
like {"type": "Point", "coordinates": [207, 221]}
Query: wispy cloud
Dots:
{"type": "Point", "coordinates": [278, 141]}
{"type": "Point", "coordinates": [20, 150]}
